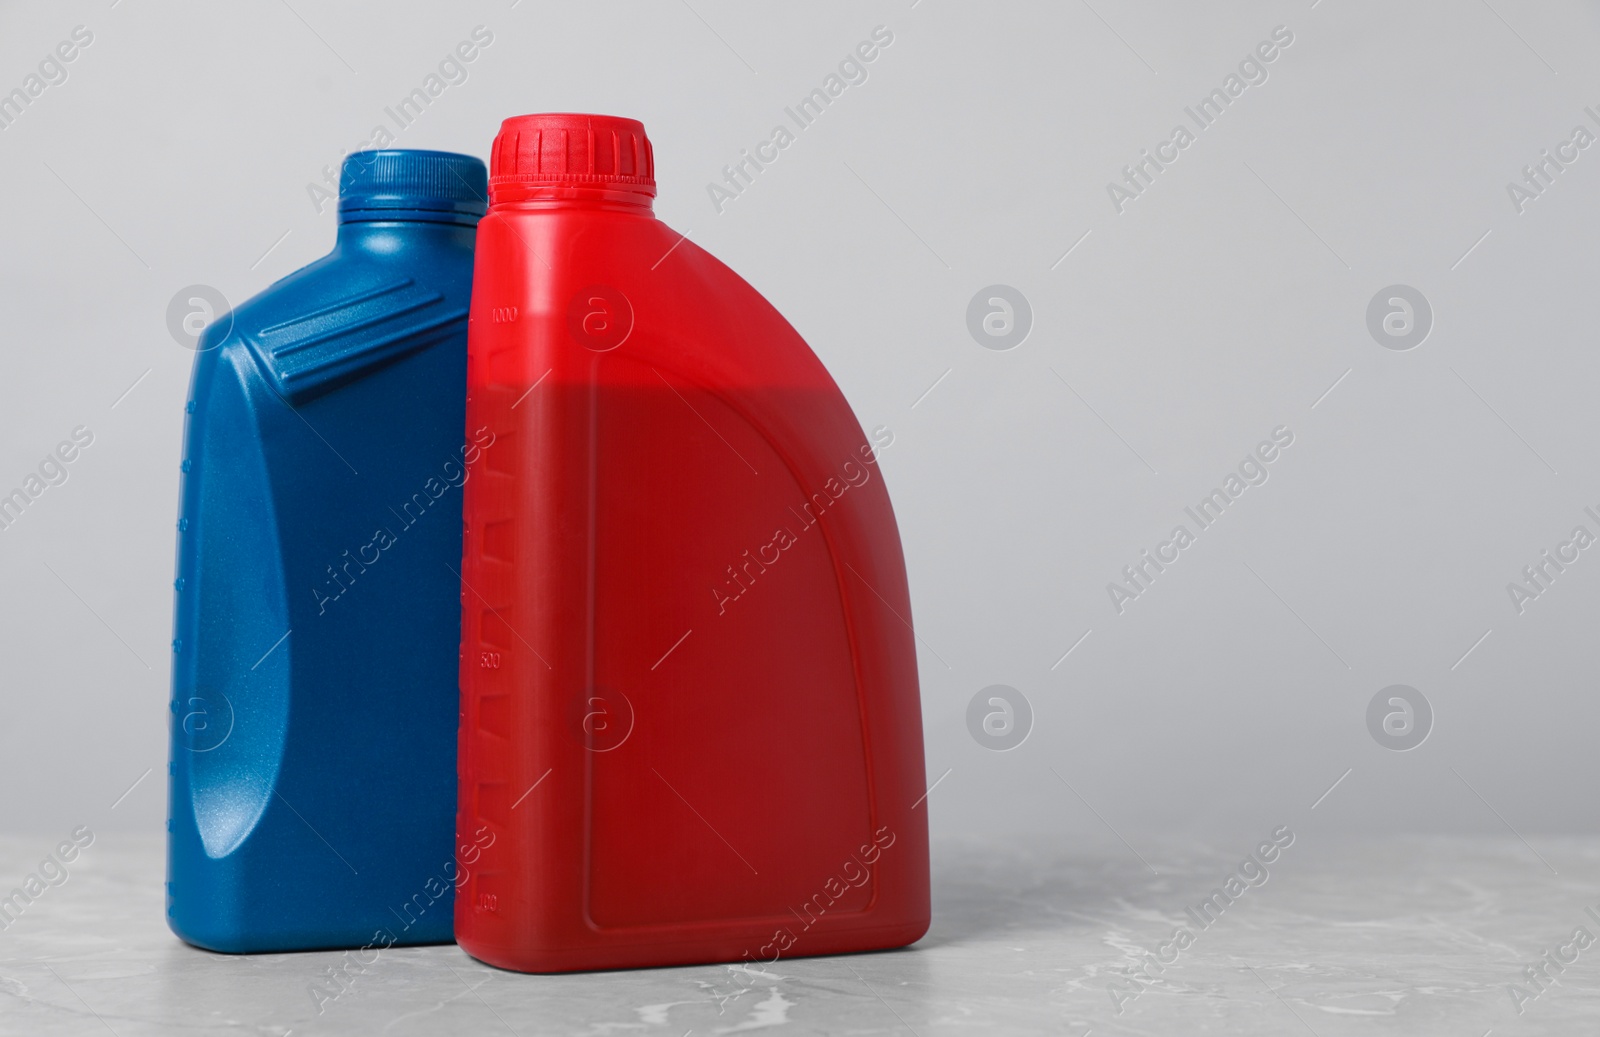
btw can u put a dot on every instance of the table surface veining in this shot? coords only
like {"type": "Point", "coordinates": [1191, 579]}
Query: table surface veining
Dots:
{"type": "Point", "coordinates": [1414, 936]}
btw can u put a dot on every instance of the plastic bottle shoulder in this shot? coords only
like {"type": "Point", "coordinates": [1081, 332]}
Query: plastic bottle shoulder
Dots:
{"type": "Point", "coordinates": [348, 313]}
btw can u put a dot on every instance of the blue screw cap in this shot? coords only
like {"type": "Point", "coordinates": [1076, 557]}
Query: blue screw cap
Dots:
{"type": "Point", "coordinates": [436, 186]}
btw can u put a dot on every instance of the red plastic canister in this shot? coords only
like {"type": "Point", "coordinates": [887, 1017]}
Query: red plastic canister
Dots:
{"type": "Point", "coordinates": [690, 724]}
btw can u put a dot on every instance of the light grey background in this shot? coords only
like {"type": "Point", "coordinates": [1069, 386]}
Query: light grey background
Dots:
{"type": "Point", "coordinates": [1222, 303]}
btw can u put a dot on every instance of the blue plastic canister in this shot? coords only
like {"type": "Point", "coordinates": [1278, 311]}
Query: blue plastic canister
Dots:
{"type": "Point", "coordinates": [314, 702]}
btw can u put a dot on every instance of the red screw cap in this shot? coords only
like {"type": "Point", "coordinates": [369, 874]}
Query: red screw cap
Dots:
{"type": "Point", "coordinates": [566, 149]}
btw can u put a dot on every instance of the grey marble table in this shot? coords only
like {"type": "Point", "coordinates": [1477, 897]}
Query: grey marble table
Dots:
{"type": "Point", "coordinates": [1413, 936]}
